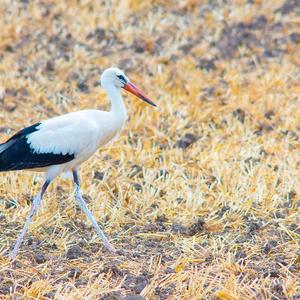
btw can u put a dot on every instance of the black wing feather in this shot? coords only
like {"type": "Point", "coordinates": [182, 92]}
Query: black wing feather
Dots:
{"type": "Point", "coordinates": [17, 154]}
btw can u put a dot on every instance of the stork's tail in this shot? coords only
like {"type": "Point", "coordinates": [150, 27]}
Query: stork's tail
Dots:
{"type": "Point", "coordinates": [3, 148]}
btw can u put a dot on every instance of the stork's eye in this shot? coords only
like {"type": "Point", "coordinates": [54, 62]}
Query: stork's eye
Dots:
{"type": "Point", "coordinates": [122, 78]}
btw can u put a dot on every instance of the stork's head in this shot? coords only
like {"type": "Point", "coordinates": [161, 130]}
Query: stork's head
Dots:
{"type": "Point", "coordinates": [117, 78]}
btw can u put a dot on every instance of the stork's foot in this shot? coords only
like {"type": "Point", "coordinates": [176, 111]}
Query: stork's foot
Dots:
{"type": "Point", "coordinates": [110, 248]}
{"type": "Point", "coordinates": [12, 256]}
{"type": "Point", "coordinates": [81, 203]}
{"type": "Point", "coordinates": [35, 205]}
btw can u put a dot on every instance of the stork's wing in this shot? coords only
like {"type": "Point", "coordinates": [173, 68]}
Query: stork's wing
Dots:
{"type": "Point", "coordinates": [54, 141]}
{"type": "Point", "coordinates": [16, 153]}
{"type": "Point", "coordinates": [67, 134]}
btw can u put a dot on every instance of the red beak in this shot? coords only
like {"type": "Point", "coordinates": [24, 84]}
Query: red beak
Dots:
{"type": "Point", "coordinates": [133, 89]}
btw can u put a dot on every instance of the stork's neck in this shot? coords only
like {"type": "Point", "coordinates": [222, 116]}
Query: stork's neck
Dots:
{"type": "Point", "coordinates": [117, 103]}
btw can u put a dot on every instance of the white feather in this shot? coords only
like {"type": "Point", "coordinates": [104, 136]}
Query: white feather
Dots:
{"type": "Point", "coordinates": [67, 175]}
{"type": "Point", "coordinates": [80, 133]}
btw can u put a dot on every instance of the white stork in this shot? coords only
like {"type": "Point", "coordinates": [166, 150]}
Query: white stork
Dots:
{"type": "Point", "coordinates": [62, 143]}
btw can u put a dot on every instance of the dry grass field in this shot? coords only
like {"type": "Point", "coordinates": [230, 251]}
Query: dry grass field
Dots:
{"type": "Point", "coordinates": [201, 196]}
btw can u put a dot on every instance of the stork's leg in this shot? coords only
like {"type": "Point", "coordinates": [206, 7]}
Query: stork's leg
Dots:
{"type": "Point", "coordinates": [35, 205]}
{"type": "Point", "coordinates": [80, 201]}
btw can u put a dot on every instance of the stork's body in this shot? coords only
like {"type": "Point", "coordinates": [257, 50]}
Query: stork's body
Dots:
{"type": "Point", "coordinates": [62, 143]}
